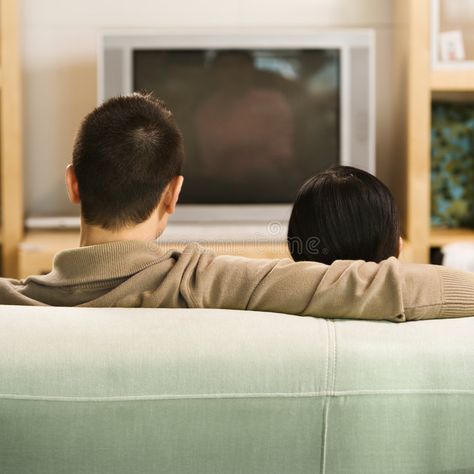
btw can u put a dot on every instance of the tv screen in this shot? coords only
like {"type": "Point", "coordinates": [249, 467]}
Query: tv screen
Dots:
{"type": "Point", "coordinates": [256, 123]}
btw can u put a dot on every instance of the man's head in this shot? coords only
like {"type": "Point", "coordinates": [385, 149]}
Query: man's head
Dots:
{"type": "Point", "coordinates": [127, 162]}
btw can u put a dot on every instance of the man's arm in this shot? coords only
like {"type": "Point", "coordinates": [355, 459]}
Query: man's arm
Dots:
{"type": "Point", "coordinates": [346, 289]}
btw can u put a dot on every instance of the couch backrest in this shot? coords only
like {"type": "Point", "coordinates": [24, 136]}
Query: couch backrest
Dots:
{"type": "Point", "coordinates": [210, 391]}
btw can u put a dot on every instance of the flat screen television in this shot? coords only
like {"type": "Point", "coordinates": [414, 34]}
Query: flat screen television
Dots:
{"type": "Point", "coordinates": [260, 112]}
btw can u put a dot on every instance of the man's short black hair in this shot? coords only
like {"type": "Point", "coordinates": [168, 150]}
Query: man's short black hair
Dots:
{"type": "Point", "coordinates": [125, 154]}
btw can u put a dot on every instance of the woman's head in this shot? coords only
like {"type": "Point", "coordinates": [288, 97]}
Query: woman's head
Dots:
{"type": "Point", "coordinates": [344, 213]}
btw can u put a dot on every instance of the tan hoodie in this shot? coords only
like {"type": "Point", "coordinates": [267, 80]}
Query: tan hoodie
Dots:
{"type": "Point", "coordinates": [140, 274]}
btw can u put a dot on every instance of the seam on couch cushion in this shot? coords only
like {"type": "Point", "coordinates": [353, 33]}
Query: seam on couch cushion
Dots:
{"type": "Point", "coordinates": [326, 386]}
{"type": "Point", "coordinates": [214, 396]}
{"type": "Point", "coordinates": [329, 387]}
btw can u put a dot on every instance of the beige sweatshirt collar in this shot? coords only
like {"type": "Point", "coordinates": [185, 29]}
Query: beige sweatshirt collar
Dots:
{"type": "Point", "coordinates": [102, 262]}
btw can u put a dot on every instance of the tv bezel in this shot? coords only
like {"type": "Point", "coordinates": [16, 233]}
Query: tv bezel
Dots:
{"type": "Point", "coordinates": [244, 38]}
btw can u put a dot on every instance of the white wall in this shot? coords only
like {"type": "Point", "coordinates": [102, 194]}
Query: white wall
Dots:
{"type": "Point", "coordinates": [59, 47]}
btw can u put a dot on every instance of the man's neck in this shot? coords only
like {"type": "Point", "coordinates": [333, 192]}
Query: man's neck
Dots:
{"type": "Point", "coordinates": [95, 235]}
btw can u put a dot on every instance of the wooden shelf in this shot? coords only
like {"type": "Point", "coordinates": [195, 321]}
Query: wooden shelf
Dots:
{"type": "Point", "coordinates": [11, 168]}
{"type": "Point", "coordinates": [452, 80]}
{"type": "Point", "coordinates": [51, 241]}
{"type": "Point", "coordinates": [440, 237]}
{"type": "Point", "coordinates": [36, 251]}
{"type": "Point", "coordinates": [419, 84]}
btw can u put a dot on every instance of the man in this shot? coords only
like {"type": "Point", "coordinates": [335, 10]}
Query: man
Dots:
{"type": "Point", "coordinates": [126, 175]}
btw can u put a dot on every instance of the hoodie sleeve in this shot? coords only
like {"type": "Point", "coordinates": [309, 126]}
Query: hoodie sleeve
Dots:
{"type": "Point", "coordinates": [388, 290]}
{"type": "Point", "coordinates": [345, 289]}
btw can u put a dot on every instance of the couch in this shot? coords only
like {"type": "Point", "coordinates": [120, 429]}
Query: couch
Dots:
{"type": "Point", "coordinates": [97, 391]}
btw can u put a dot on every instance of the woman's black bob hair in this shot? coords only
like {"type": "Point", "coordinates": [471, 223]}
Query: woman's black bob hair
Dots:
{"type": "Point", "coordinates": [344, 213]}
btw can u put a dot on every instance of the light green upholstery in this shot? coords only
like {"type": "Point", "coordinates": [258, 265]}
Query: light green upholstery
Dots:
{"type": "Point", "coordinates": [97, 391]}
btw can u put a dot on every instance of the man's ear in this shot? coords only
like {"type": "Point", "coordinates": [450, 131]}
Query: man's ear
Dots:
{"type": "Point", "coordinates": [71, 185]}
{"type": "Point", "coordinates": [172, 194]}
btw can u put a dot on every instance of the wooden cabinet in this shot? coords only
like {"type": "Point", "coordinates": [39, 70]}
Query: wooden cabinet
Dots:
{"type": "Point", "coordinates": [417, 83]}
{"type": "Point", "coordinates": [11, 160]}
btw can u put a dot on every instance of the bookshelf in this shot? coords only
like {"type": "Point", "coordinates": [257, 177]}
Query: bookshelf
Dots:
{"type": "Point", "coordinates": [440, 237]}
{"type": "Point", "coordinates": [419, 82]}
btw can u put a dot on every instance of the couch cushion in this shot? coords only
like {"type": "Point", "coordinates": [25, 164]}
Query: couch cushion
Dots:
{"type": "Point", "coordinates": [200, 391]}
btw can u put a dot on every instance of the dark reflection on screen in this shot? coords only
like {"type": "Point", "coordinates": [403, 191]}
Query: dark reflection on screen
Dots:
{"type": "Point", "coordinates": [256, 123]}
